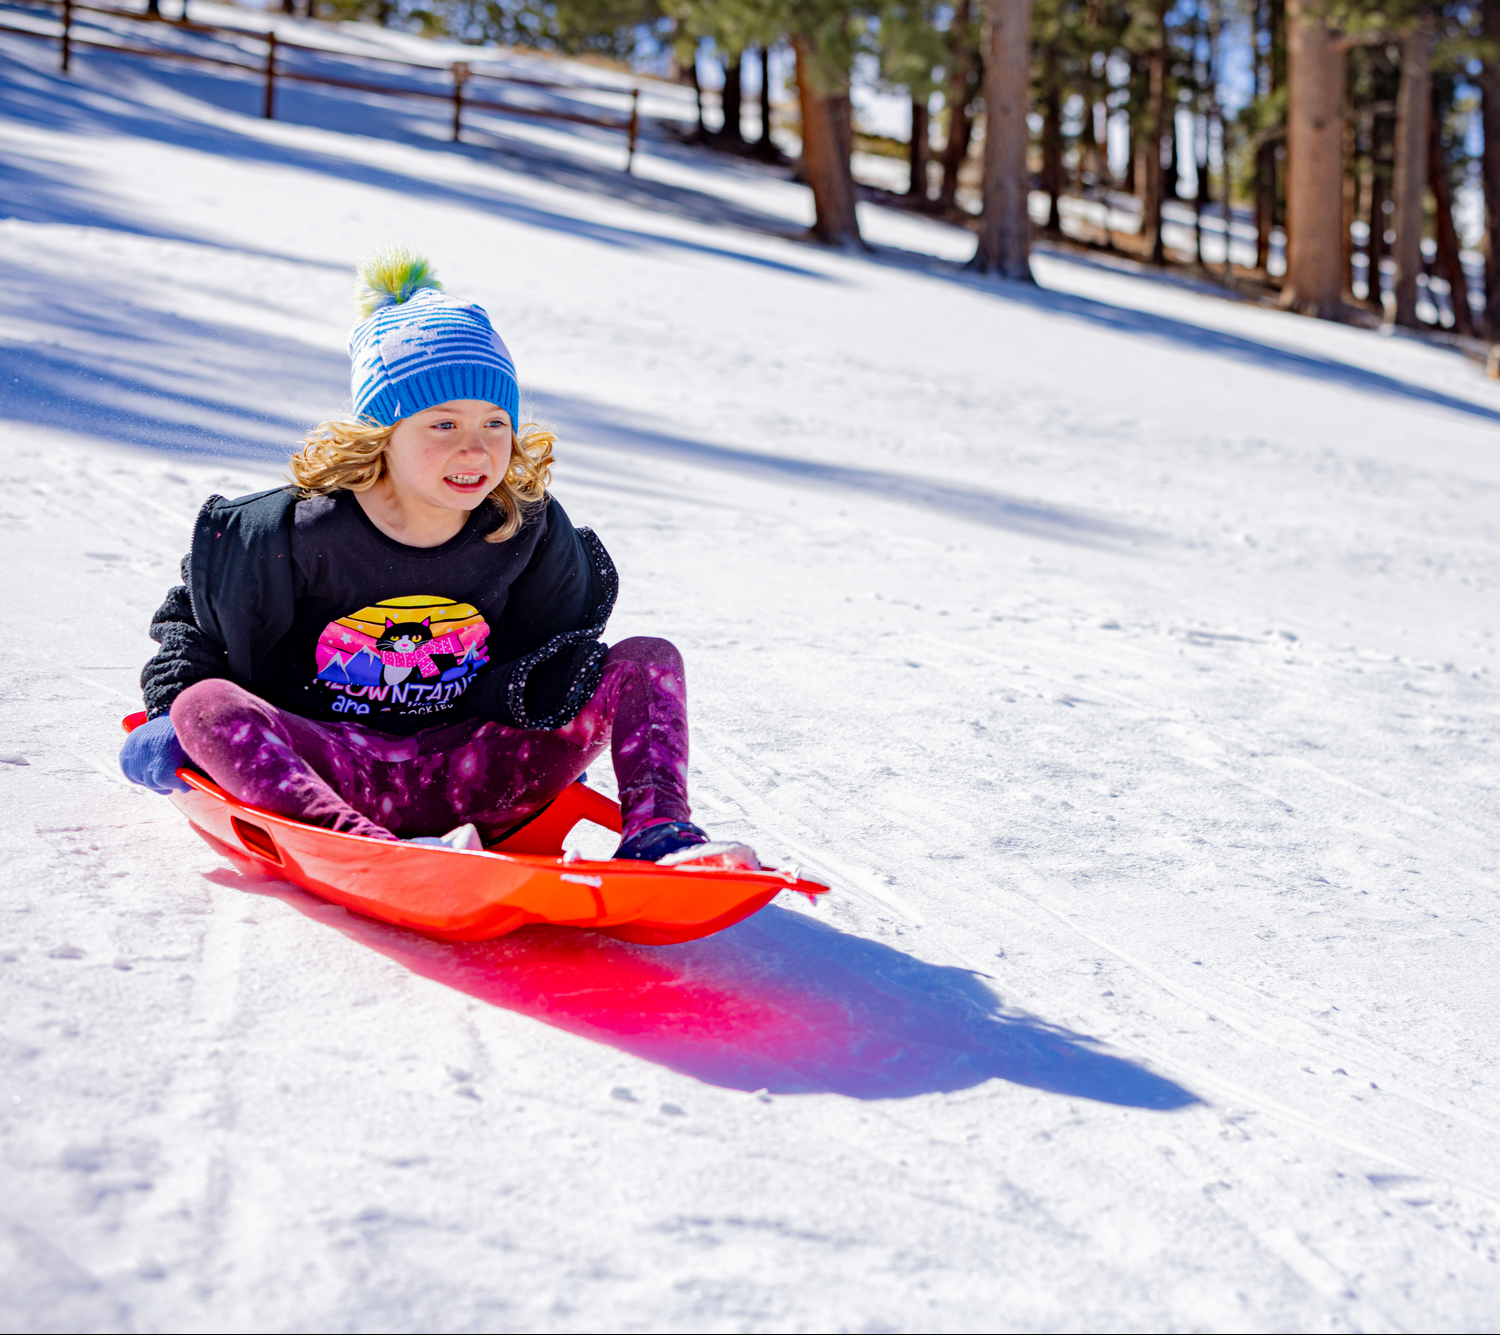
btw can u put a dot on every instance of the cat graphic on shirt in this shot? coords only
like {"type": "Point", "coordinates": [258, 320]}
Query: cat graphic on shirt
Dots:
{"type": "Point", "coordinates": [402, 637]}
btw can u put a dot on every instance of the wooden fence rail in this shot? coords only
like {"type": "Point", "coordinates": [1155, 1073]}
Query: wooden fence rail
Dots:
{"type": "Point", "coordinates": [460, 73]}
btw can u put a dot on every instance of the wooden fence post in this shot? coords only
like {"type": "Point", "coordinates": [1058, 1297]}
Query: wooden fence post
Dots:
{"type": "Point", "coordinates": [635, 125]}
{"type": "Point", "coordinates": [270, 76]}
{"type": "Point", "coordinates": [67, 34]}
{"type": "Point", "coordinates": [460, 77]}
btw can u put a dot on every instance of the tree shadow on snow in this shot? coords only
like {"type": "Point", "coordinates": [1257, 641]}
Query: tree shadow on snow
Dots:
{"type": "Point", "coordinates": [780, 1002]}
{"type": "Point", "coordinates": [1234, 347]}
{"type": "Point", "coordinates": [38, 190]}
{"type": "Point", "coordinates": [594, 423]}
{"type": "Point", "coordinates": [132, 375]}
{"type": "Point", "coordinates": [157, 380]}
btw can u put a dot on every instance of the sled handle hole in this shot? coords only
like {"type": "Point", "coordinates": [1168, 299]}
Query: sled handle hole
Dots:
{"type": "Point", "coordinates": [257, 839]}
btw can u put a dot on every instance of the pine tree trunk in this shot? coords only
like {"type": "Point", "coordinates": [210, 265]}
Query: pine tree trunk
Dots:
{"type": "Point", "coordinates": [841, 109]}
{"type": "Point", "coordinates": [1375, 245]}
{"type": "Point", "coordinates": [1095, 157]}
{"type": "Point", "coordinates": [764, 143]}
{"type": "Point", "coordinates": [1449, 259]}
{"type": "Point", "coordinates": [1349, 213]}
{"type": "Point", "coordinates": [1269, 19]}
{"type": "Point", "coordinates": [1314, 163]}
{"type": "Point", "coordinates": [1005, 229]}
{"type": "Point", "coordinates": [1202, 198]}
{"type": "Point", "coordinates": [701, 132]}
{"type": "Point", "coordinates": [1412, 108]}
{"type": "Point", "coordinates": [1215, 120]}
{"type": "Point", "coordinates": [1052, 140]}
{"type": "Point", "coordinates": [1154, 181]}
{"type": "Point", "coordinates": [1135, 135]}
{"type": "Point", "coordinates": [958, 96]}
{"type": "Point", "coordinates": [1489, 82]}
{"type": "Point", "coordinates": [955, 154]}
{"type": "Point", "coordinates": [731, 99]}
{"type": "Point", "coordinates": [1228, 209]}
{"type": "Point", "coordinates": [1099, 144]}
{"type": "Point", "coordinates": [826, 133]}
{"type": "Point", "coordinates": [919, 152]}
{"type": "Point", "coordinates": [1265, 204]}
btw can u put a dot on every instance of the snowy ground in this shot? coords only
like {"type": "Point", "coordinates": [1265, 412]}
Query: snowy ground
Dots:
{"type": "Point", "coordinates": [1124, 656]}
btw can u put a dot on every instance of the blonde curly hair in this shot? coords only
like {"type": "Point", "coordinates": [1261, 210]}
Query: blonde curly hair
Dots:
{"type": "Point", "coordinates": [348, 454]}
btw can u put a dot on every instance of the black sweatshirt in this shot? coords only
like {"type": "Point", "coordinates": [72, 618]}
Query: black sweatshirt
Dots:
{"type": "Point", "coordinates": [308, 605]}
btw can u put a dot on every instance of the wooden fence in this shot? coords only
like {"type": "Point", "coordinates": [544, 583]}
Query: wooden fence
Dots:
{"type": "Point", "coordinates": [461, 75]}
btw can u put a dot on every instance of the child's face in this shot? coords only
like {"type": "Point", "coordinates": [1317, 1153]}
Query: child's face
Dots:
{"type": "Point", "coordinates": [451, 456]}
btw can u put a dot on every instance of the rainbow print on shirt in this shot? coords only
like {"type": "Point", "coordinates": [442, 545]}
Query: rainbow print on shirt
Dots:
{"type": "Point", "coordinates": [413, 655]}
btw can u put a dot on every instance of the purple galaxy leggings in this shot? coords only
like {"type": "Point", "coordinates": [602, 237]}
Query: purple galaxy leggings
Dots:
{"type": "Point", "coordinates": [344, 776]}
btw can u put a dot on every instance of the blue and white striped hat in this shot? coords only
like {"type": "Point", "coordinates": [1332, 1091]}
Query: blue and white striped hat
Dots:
{"type": "Point", "coordinates": [420, 347]}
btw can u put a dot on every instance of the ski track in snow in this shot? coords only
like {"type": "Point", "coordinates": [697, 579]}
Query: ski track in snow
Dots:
{"type": "Point", "coordinates": [1124, 658]}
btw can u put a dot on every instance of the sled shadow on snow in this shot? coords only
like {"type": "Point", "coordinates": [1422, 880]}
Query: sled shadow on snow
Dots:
{"type": "Point", "coordinates": [780, 1002]}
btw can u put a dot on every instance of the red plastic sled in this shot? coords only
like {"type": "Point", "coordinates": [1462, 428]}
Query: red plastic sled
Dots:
{"type": "Point", "coordinates": [461, 896]}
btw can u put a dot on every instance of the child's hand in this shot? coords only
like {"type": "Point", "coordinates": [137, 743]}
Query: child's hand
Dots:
{"type": "Point", "coordinates": [152, 756]}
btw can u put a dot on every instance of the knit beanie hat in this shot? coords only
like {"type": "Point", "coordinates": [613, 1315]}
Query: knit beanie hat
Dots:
{"type": "Point", "coordinates": [419, 347]}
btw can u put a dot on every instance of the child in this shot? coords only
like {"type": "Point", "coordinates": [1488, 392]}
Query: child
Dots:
{"type": "Point", "coordinates": [408, 639]}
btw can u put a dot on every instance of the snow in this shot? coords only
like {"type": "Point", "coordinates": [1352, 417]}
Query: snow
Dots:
{"type": "Point", "coordinates": [1123, 655]}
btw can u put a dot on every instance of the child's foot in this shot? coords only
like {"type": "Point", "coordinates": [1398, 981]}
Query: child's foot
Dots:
{"type": "Point", "coordinates": [680, 843]}
{"type": "Point", "coordinates": [465, 838]}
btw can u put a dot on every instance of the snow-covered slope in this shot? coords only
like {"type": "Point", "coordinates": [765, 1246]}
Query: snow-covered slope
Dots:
{"type": "Point", "coordinates": [1125, 657]}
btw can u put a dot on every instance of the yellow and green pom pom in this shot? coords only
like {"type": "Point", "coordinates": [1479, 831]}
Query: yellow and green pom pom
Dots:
{"type": "Point", "coordinates": [391, 276]}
